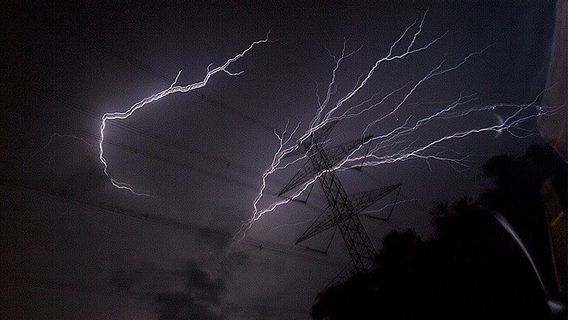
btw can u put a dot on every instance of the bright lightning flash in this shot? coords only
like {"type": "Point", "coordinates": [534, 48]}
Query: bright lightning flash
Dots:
{"type": "Point", "coordinates": [173, 88]}
{"type": "Point", "coordinates": [406, 140]}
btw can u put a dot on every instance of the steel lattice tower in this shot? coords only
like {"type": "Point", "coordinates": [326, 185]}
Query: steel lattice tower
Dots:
{"type": "Point", "coordinates": [342, 210]}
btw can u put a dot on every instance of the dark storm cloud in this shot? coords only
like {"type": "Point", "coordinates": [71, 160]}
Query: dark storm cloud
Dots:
{"type": "Point", "coordinates": [202, 285]}
{"type": "Point", "coordinates": [214, 238]}
{"type": "Point", "coordinates": [221, 225]}
{"type": "Point", "coordinates": [191, 292]}
{"type": "Point", "coordinates": [194, 291]}
{"type": "Point", "coordinates": [199, 299]}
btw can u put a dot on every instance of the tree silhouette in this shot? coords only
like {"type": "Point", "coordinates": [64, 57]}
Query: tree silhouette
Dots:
{"type": "Point", "coordinates": [471, 268]}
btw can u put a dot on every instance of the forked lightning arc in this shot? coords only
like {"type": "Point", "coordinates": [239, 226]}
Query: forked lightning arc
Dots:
{"type": "Point", "coordinates": [173, 88]}
{"type": "Point", "coordinates": [407, 139]}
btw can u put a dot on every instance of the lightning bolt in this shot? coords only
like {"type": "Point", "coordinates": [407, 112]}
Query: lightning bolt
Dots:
{"type": "Point", "coordinates": [406, 139]}
{"type": "Point", "coordinates": [386, 206]}
{"type": "Point", "coordinates": [52, 138]}
{"type": "Point", "coordinates": [368, 213]}
{"type": "Point", "coordinates": [172, 89]}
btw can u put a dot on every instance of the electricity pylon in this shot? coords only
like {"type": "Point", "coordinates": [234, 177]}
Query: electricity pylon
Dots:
{"type": "Point", "coordinates": [342, 211]}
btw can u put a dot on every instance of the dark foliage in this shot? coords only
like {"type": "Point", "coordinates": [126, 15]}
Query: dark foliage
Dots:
{"type": "Point", "coordinates": [471, 268]}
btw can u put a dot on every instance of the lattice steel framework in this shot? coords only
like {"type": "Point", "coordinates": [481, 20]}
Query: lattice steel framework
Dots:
{"type": "Point", "coordinates": [342, 211]}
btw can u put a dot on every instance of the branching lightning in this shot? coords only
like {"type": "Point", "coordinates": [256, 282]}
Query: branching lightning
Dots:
{"type": "Point", "coordinates": [367, 213]}
{"type": "Point", "coordinates": [387, 206]}
{"type": "Point", "coordinates": [391, 144]}
{"type": "Point", "coordinates": [58, 135]}
{"type": "Point", "coordinates": [173, 88]}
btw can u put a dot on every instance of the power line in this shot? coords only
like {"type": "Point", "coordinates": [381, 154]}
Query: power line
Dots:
{"type": "Point", "coordinates": [139, 65]}
{"type": "Point", "coordinates": [272, 247]}
{"type": "Point", "coordinates": [145, 134]}
{"type": "Point", "coordinates": [55, 287]}
{"type": "Point", "coordinates": [342, 210]}
{"type": "Point", "coordinates": [194, 153]}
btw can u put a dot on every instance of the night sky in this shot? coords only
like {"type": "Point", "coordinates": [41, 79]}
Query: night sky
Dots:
{"type": "Point", "coordinates": [76, 247]}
